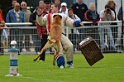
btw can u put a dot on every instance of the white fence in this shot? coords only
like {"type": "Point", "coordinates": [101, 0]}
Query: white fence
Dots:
{"type": "Point", "coordinates": [29, 42]}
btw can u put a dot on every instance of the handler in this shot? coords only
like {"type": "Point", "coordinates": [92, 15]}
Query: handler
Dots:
{"type": "Point", "coordinates": [66, 44]}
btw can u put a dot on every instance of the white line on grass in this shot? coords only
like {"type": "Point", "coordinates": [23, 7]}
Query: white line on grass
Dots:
{"type": "Point", "coordinates": [39, 79]}
{"type": "Point", "coordinates": [29, 78]}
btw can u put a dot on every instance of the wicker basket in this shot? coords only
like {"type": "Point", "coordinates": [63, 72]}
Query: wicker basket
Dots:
{"type": "Point", "coordinates": [90, 50]}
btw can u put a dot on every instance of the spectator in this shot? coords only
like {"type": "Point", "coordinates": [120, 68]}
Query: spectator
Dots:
{"type": "Point", "coordinates": [74, 32]}
{"type": "Point", "coordinates": [41, 30]}
{"type": "Point", "coordinates": [47, 9]}
{"type": "Point", "coordinates": [75, 17]}
{"type": "Point", "coordinates": [25, 11]}
{"type": "Point", "coordinates": [1, 22]}
{"type": "Point", "coordinates": [47, 5]}
{"type": "Point", "coordinates": [63, 8]}
{"type": "Point", "coordinates": [26, 32]}
{"type": "Point", "coordinates": [42, 33]}
{"type": "Point", "coordinates": [106, 15]}
{"type": "Point", "coordinates": [41, 4]}
{"type": "Point", "coordinates": [72, 15]}
{"type": "Point", "coordinates": [13, 2]}
{"type": "Point", "coordinates": [91, 15]}
{"type": "Point", "coordinates": [119, 40]}
{"type": "Point", "coordinates": [112, 6]}
{"type": "Point", "coordinates": [35, 37]}
{"type": "Point", "coordinates": [15, 15]}
{"type": "Point", "coordinates": [120, 14]}
{"type": "Point", "coordinates": [79, 9]}
{"type": "Point", "coordinates": [57, 2]}
{"type": "Point", "coordinates": [114, 29]}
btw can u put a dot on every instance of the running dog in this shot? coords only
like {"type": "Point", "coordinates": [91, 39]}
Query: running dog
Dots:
{"type": "Point", "coordinates": [55, 36]}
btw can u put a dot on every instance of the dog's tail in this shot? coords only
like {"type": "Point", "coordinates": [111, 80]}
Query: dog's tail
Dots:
{"type": "Point", "coordinates": [52, 40]}
{"type": "Point", "coordinates": [57, 43]}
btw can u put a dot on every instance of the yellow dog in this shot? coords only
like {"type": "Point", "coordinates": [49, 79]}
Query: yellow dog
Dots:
{"type": "Point", "coordinates": [55, 36]}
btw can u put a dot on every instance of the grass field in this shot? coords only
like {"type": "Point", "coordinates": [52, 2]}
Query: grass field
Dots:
{"type": "Point", "coordinates": [109, 69]}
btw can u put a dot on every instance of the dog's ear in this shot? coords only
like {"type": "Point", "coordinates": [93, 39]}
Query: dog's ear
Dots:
{"type": "Point", "coordinates": [60, 16]}
{"type": "Point", "coordinates": [54, 16]}
{"type": "Point", "coordinates": [57, 15]}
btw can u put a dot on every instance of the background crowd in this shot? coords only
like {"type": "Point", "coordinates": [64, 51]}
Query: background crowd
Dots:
{"type": "Point", "coordinates": [19, 13]}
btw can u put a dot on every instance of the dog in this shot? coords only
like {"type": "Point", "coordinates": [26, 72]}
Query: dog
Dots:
{"type": "Point", "coordinates": [55, 36]}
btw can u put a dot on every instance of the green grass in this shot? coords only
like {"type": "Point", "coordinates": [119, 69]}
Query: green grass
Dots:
{"type": "Point", "coordinates": [109, 69]}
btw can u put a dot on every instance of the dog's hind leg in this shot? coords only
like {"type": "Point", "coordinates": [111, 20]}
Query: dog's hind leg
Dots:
{"type": "Point", "coordinates": [47, 45]}
{"type": "Point", "coordinates": [57, 49]}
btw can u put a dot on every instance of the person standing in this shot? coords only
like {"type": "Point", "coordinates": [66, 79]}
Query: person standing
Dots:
{"type": "Point", "coordinates": [114, 29]}
{"type": "Point", "coordinates": [57, 2]}
{"type": "Point", "coordinates": [119, 40]}
{"type": "Point", "coordinates": [36, 33]}
{"type": "Point", "coordinates": [91, 15]}
{"type": "Point", "coordinates": [106, 15]}
{"type": "Point", "coordinates": [65, 42]}
{"type": "Point", "coordinates": [74, 32]}
{"type": "Point", "coordinates": [41, 4]}
{"type": "Point", "coordinates": [26, 32]}
{"type": "Point", "coordinates": [2, 22]}
{"type": "Point", "coordinates": [41, 30]}
{"type": "Point", "coordinates": [120, 14]}
{"type": "Point", "coordinates": [79, 9]}
{"type": "Point", "coordinates": [35, 38]}
{"type": "Point", "coordinates": [13, 2]}
{"type": "Point", "coordinates": [63, 8]}
{"type": "Point", "coordinates": [15, 15]}
{"type": "Point", "coordinates": [9, 8]}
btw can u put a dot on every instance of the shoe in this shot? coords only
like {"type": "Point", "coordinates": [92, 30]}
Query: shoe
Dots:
{"type": "Point", "coordinates": [61, 67]}
{"type": "Point", "coordinates": [70, 65]}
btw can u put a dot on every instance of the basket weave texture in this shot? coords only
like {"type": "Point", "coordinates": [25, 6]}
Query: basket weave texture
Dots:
{"type": "Point", "coordinates": [90, 50]}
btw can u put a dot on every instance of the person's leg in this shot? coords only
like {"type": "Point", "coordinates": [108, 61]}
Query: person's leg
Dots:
{"type": "Point", "coordinates": [27, 39]}
{"type": "Point", "coordinates": [101, 35]}
{"type": "Point", "coordinates": [110, 39]}
{"type": "Point", "coordinates": [1, 45]}
{"type": "Point", "coordinates": [43, 42]}
{"type": "Point", "coordinates": [68, 48]}
{"type": "Point", "coordinates": [20, 39]}
{"type": "Point", "coordinates": [60, 58]}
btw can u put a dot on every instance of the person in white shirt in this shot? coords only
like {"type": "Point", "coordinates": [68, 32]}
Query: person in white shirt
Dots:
{"type": "Point", "coordinates": [63, 8]}
{"type": "Point", "coordinates": [67, 46]}
{"type": "Point", "coordinates": [106, 15]}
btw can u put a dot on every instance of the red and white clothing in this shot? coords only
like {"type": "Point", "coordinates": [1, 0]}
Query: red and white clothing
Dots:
{"type": "Point", "coordinates": [66, 44]}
